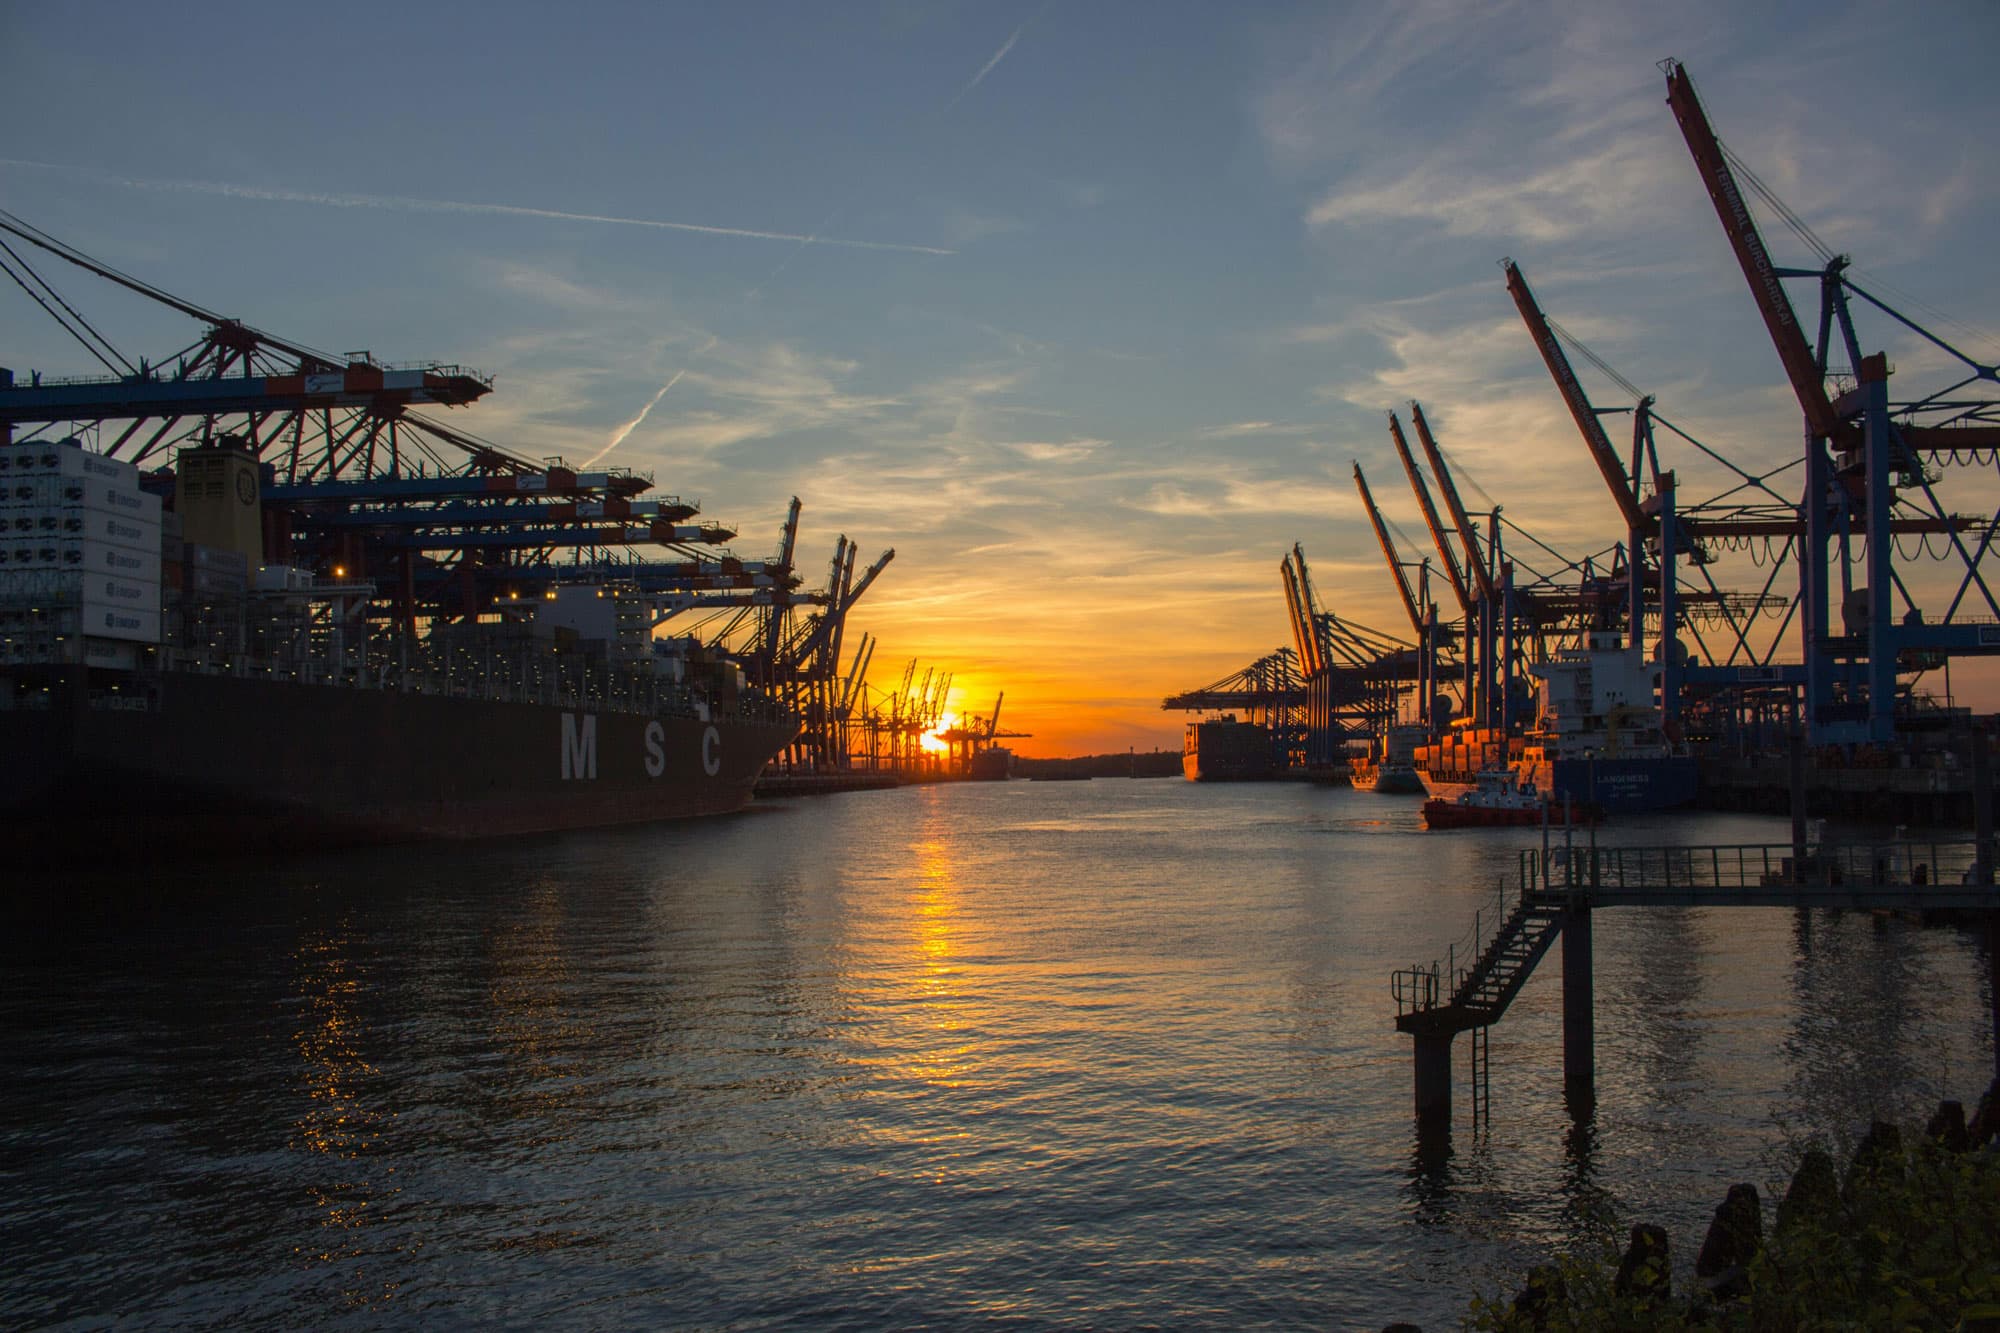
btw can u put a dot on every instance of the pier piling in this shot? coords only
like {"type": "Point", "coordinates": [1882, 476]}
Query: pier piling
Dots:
{"type": "Point", "coordinates": [1579, 1008]}
{"type": "Point", "coordinates": [1433, 1062]}
{"type": "Point", "coordinates": [1982, 873]}
{"type": "Point", "coordinates": [1982, 810]}
{"type": "Point", "coordinates": [1795, 763]}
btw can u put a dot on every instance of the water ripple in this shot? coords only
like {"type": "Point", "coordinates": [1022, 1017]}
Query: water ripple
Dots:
{"type": "Point", "coordinates": [1108, 1053]}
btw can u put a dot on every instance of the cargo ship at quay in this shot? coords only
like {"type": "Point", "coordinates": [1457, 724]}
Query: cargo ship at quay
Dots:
{"type": "Point", "coordinates": [1390, 766]}
{"type": "Point", "coordinates": [214, 759]}
{"type": "Point", "coordinates": [210, 705]}
{"type": "Point", "coordinates": [218, 704]}
{"type": "Point", "coordinates": [250, 597]}
{"type": "Point", "coordinates": [1597, 741]}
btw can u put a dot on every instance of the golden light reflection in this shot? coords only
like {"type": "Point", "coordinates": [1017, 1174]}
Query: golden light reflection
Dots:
{"type": "Point", "coordinates": [937, 1050]}
{"type": "Point", "coordinates": [339, 1127]}
{"type": "Point", "coordinates": [534, 1019]}
{"type": "Point", "coordinates": [934, 902]}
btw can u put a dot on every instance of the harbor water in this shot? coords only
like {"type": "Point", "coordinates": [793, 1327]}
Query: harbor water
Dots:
{"type": "Point", "coordinates": [1099, 1054]}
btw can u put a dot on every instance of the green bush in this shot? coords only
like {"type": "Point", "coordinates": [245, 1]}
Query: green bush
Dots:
{"type": "Point", "coordinates": [1911, 1240]}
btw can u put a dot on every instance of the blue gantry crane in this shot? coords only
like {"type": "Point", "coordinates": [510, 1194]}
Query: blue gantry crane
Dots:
{"type": "Point", "coordinates": [351, 485]}
{"type": "Point", "coordinates": [1871, 462]}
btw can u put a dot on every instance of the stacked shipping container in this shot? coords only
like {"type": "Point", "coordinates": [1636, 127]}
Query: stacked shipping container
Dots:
{"type": "Point", "coordinates": [79, 555]}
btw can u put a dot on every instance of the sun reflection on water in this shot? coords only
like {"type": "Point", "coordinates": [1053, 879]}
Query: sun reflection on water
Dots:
{"type": "Point", "coordinates": [534, 1018]}
{"type": "Point", "coordinates": [340, 1129]}
{"type": "Point", "coordinates": [938, 1052]}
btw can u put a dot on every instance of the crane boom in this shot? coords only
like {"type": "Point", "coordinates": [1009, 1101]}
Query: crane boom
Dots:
{"type": "Point", "coordinates": [1299, 636]}
{"type": "Point", "coordinates": [841, 585]}
{"type": "Point", "coordinates": [1299, 602]}
{"type": "Point", "coordinates": [1389, 554]}
{"type": "Point", "coordinates": [1438, 539]}
{"type": "Point", "coordinates": [857, 676]}
{"type": "Point", "coordinates": [1801, 366]}
{"type": "Point", "coordinates": [826, 624]}
{"type": "Point", "coordinates": [881, 563]}
{"type": "Point", "coordinates": [1580, 409]}
{"type": "Point", "coordinates": [1449, 489]}
{"type": "Point", "coordinates": [35, 236]}
{"type": "Point", "coordinates": [788, 536]}
{"type": "Point", "coordinates": [1309, 610]}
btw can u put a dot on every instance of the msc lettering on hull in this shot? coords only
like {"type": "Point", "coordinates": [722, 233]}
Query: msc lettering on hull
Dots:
{"type": "Point", "coordinates": [579, 748]}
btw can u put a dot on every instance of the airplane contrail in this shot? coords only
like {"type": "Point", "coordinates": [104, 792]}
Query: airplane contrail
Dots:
{"type": "Point", "coordinates": [987, 68]}
{"type": "Point", "coordinates": [618, 436]}
{"type": "Point", "coordinates": [792, 254]}
{"type": "Point", "coordinates": [408, 204]}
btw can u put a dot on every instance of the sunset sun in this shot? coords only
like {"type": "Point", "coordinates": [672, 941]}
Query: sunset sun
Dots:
{"type": "Point", "coordinates": [933, 740]}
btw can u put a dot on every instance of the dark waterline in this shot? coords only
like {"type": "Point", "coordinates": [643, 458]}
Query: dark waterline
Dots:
{"type": "Point", "coordinates": [1099, 1053]}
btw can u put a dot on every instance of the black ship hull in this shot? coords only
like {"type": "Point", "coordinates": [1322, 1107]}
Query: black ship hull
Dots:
{"type": "Point", "coordinates": [187, 759]}
{"type": "Point", "coordinates": [1225, 750]}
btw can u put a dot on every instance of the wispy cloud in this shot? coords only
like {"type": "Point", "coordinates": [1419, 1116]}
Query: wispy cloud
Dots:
{"type": "Point", "coordinates": [1052, 451]}
{"type": "Point", "coordinates": [1240, 429]}
{"type": "Point", "coordinates": [410, 204]}
{"type": "Point", "coordinates": [1581, 193]}
{"type": "Point", "coordinates": [1343, 70]}
{"type": "Point", "coordinates": [554, 289]}
{"type": "Point", "coordinates": [1940, 203]}
{"type": "Point", "coordinates": [1233, 500]}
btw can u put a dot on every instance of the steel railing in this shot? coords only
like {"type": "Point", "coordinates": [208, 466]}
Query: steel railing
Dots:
{"type": "Point", "coordinates": [1912, 861]}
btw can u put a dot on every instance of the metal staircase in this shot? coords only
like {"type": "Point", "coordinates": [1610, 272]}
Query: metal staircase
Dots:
{"type": "Point", "coordinates": [1492, 982]}
{"type": "Point", "coordinates": [1481, 993]}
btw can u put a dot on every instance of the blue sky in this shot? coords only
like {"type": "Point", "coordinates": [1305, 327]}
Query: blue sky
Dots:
{"type": "Point", "coordinates": [1099, 302]}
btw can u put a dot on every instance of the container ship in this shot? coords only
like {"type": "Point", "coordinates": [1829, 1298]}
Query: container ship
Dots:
{"type": "Point", "coordinates": [1450, 766]}
{"type": "Point", "coordinates": [1390, 766]}
{"type": "Point", "coordinates": [1597, 740]}
{"type": "Point", "coordinates": [215, 759]}
{"type": "Point", "coordinates": [1225, 749]}
{"type": "Point", "coordinates": [171, 693]}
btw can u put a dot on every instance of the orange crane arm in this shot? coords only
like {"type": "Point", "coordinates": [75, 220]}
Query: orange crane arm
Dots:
{"type": "Point", "coordinates": [1298, 601]}
{"type": "Point", "coordinates": [1309, 609]}
{"type": "Point", "coordinates": [1801, 366]}
{"type": "Point", "coordinates": [1292, 612]}
{"type": "Point", "coordinates": [1580, 409]}
{"type": "Point", "coordinates": [1389, 554]}
{"type": "Point", "coordinates": [1451, 570]}
{"type": "Point", "coordinates": [1449, 489]}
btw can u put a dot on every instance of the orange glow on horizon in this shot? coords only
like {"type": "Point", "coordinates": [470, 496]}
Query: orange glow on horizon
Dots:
{"type": "Point", "coordinates": [932, 740]}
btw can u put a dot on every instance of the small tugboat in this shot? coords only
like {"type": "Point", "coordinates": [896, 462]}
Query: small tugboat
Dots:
{"type": "Point", "coordinates": [1499, 800]}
